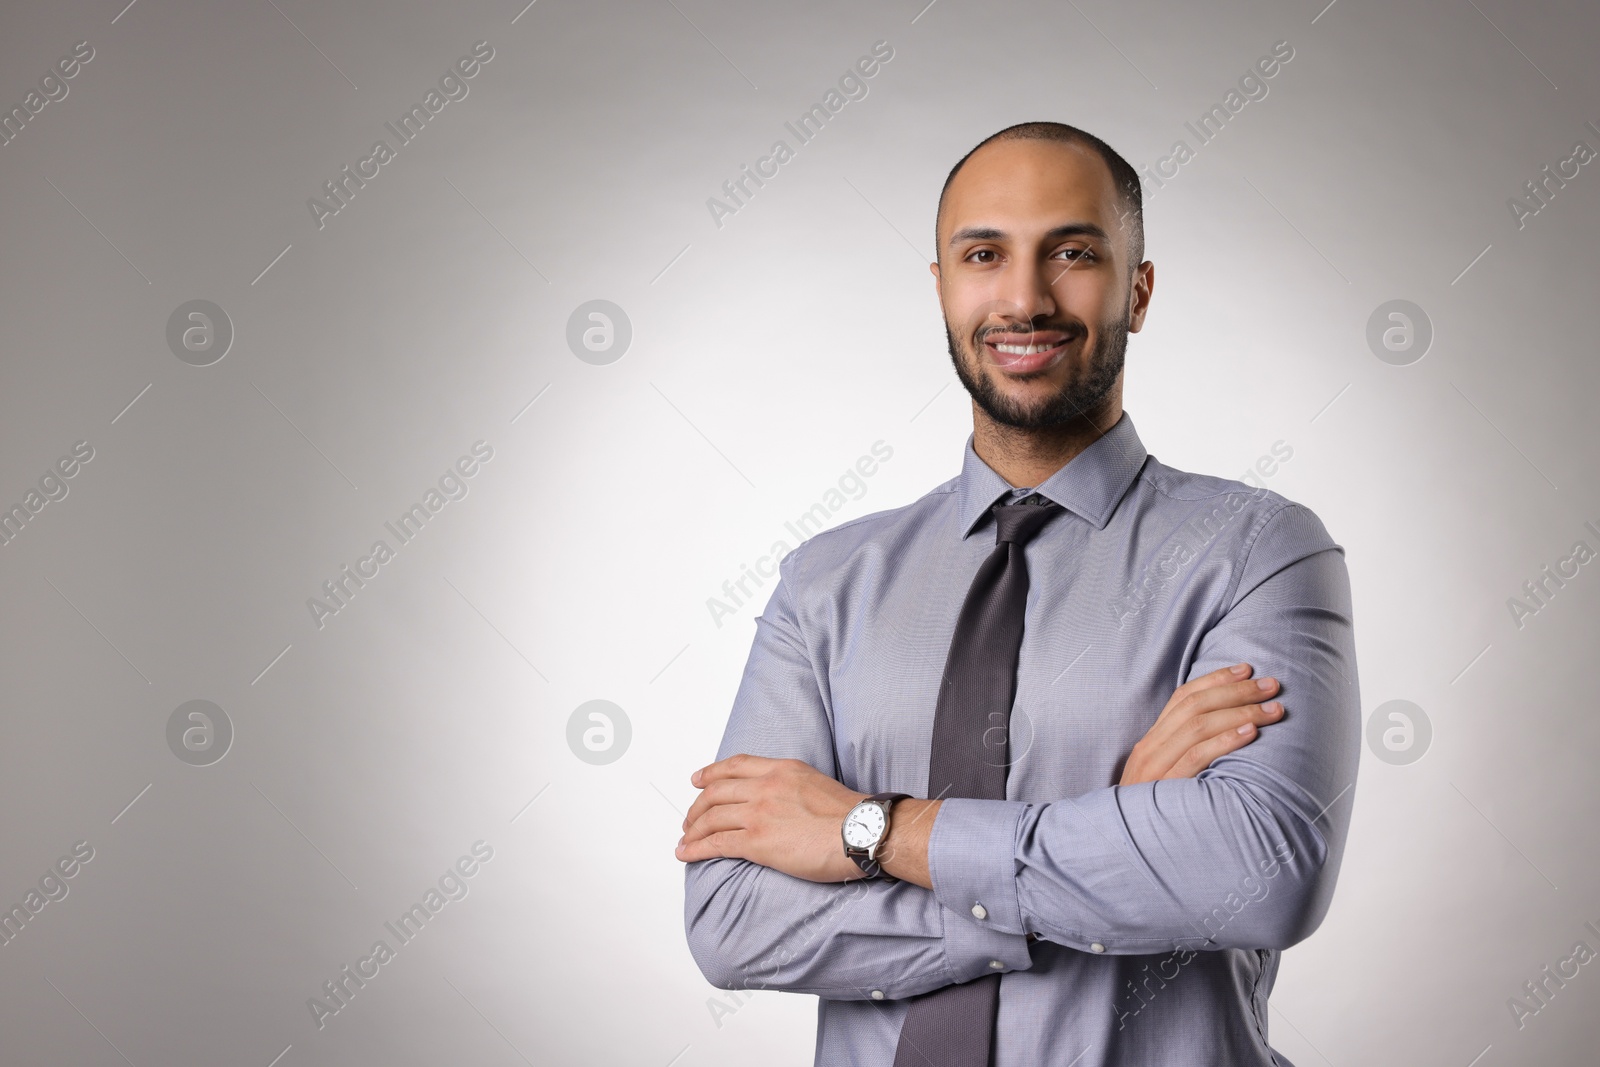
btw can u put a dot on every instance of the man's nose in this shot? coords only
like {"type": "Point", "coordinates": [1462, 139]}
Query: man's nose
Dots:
{"type": "Point", "coordinates": [1027, 292]}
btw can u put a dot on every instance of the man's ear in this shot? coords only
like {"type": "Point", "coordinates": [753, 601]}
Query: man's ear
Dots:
{"type": "Point", "coordinates": [1144, 283]}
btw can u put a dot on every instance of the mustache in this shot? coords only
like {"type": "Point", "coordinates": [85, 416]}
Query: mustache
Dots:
{"type": "Point", "coordinates": [1070, 329]}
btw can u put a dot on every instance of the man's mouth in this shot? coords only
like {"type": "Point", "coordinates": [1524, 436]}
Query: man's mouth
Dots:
{"type": "Point", "coordinates": [1021, 353]}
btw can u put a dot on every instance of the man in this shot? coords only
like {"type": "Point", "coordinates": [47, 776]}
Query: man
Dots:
{"type": "Point", "coordinates": [1081, 869]}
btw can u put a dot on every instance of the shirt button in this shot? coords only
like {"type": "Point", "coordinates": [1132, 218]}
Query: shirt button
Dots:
{"type": "Point", "coordinates": [997, 965]}
{"type": "Point", "coordinates": [979, 911]}
{"type": "Point", "coordinates": [877, 994]}
{"type": "Point", "coordinates": [1097, 947]}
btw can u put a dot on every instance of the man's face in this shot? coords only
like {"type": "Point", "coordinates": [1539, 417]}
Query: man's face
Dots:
{"type": "Point", "coordinates": [1034, 281]}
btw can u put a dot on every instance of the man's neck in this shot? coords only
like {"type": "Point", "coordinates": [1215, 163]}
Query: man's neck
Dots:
{"type": "Point", "coordinates": [1025, 458]}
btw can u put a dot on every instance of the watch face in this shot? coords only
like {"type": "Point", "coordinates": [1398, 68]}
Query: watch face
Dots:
{"type": "Point", "coordinates": [864, 826]}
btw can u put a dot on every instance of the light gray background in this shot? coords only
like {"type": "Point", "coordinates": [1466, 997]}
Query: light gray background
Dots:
{"type": "Point", "coordinates": [767, 355]}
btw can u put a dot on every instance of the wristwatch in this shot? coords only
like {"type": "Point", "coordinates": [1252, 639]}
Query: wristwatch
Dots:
{"type": "Point", "coordinates": [865, 828]}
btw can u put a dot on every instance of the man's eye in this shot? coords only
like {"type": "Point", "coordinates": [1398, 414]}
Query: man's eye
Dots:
{"type": "Point", "coordinates": [981, 252]}
{"type": "Point", "coordinates": [1077, 253]}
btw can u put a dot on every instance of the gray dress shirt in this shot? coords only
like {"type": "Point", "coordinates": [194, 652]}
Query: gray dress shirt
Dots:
{"type": "Point", "coordinates": [1132, 925]}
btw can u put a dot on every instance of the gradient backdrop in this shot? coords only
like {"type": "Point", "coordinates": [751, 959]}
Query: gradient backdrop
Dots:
{"type": "Point", "coordinates": [1382, 260]}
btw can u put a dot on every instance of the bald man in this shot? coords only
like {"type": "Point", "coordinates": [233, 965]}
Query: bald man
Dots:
{"type": "Point", "coordinates": [1049, 766]}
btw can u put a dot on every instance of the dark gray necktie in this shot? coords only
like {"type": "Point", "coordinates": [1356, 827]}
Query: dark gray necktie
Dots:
{"type": "Point", "coordinates": [954, 1026]}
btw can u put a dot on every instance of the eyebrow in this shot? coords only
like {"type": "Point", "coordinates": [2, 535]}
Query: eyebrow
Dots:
{"type": "Point", "coordinates": [989, 233]}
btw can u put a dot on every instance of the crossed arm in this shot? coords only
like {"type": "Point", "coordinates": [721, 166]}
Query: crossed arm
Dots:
{"type": "Point", "coordinates": [1212, 838]}
{"type": "Point", "coordinates": [786, 814]}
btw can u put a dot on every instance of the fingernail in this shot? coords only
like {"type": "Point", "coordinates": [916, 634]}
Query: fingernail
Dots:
{"type": "Point", "coordinates": [1246, 728]}
{"type": "Point", "coordinates": [1263, 683]}
{"type": "Point", "coordinates": [695, 778]}
{"type": "Point", "coordinates": [1241, 670]}
{"type": "Point", "coordinates": [1273, 708]}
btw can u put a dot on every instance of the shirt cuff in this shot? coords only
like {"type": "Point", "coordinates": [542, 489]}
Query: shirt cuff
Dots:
{"type": "Point", "coordinates": [972, 863]}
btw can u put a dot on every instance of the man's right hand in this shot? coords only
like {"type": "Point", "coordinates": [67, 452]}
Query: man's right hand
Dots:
{"type": "Point", "coordinates": [1202, 721]}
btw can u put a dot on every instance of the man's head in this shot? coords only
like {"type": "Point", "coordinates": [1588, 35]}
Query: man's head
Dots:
{"type": "Point", "coordinates": [1040, 272]}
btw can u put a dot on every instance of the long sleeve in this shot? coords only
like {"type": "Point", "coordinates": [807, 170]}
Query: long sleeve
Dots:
{"type": "Point", "coordinates": [1243, 856]}
{"type": "Point", "coordinates": [753, 927]}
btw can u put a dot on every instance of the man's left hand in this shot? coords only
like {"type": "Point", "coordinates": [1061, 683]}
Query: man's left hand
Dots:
{"type": "Point", "coordinates": [780, 813]}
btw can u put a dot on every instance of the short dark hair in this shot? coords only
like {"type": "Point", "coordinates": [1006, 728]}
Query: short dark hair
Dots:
{"type": "Point", "coordinates": [1130, 195]}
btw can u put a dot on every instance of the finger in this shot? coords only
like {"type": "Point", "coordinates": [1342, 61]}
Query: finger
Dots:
{"type": "Point", "coordinates": [726, 791]}
{"type": "Point", "coordinates": [1231, 695]}
{"type": "Point", "coordinates": [724, 845]}
{"type": "Point", "coordinates": [716, 820]}
{"type": "Point", "coordinates": [1180, 720]}
{"type": "Point", "coordinates": [738, 765]}
{"type": "Point", "coordinates": [1225, 719]}
{"type": "Point", "coordinates": [1202, 755]}
{"type": "Point", "coordinates": [1193, 728]}
{"type": "Point", "coordinates": [1227, 730]}
{"type": "Point", "coordinates": [1220, 676]}
{"type": "Point", "coordinates": [1262, 714]}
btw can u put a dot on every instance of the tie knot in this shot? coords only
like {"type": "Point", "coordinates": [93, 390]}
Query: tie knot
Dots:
{"type": "Point", "coordinates": [1017, 523]}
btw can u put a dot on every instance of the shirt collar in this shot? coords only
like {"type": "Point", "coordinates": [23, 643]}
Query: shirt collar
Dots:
{"type": "Point", "coordinates": [1090, 485]}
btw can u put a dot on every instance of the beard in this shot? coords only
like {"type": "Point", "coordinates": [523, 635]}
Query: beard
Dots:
{"type": "Point", "coordinates": [1078, 398]}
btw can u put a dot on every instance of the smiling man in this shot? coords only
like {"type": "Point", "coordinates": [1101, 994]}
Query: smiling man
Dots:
{"type": "Point", "coordinates": [987, 814]}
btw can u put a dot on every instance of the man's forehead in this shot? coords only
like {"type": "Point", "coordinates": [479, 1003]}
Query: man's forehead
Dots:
{"type": "Point", "coordinates": [1027, 187]}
